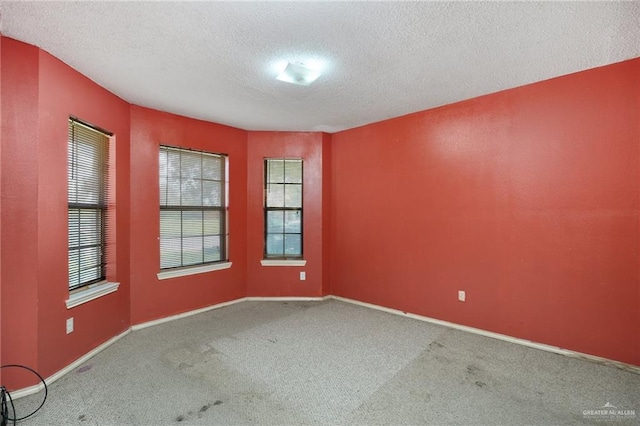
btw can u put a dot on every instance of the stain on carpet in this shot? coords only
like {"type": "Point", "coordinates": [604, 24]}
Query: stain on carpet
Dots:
{"type": "Point", "coordinates": [85, 368]}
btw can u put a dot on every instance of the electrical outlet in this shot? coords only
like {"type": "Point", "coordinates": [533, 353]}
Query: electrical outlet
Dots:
{"type": "Point", "coordinates": [303, 275]}
{"type": "Point", "coordinates": [69, 325]}
{"type": "Point", "coordinates": [461, 295]}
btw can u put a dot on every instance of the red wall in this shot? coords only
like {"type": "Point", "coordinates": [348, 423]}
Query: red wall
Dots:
{"type": "Point", "coordinates": [1, 209]}
{"type": "Point", "coordinates": [326, 214]}
{"type": "Point", "coordinates": [19, 196]}
{"type": "Point", "coordinates": [527, 199]}
{"type": "Point", "coordinates": [39, 95]}
{"type": "Point", "coordinates": [64, 92]}
{"type": "Point", "coordinates": [285, 281]}
{"type": "Point", "coordinates": [151, 298]}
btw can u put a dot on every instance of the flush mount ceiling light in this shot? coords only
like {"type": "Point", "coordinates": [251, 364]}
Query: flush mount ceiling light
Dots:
{"type": "Point", "coordinates": [298, 74]}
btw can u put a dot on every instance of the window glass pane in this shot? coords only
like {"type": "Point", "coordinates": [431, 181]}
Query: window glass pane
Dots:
{"type": "Point", "coordinates": [293, 195]}
{"type": "Point", "coordinates": [190, 165]}
{"type": "Point", "coordinates": [87, 177]}
{"type": "Point", "coordinates": [90, 227]}
{"type": "Point", "coordinates": [170, 252]}
{"type": "Point", "coordinates": [173, 196]}
{"type": "Point", "coordinates": [292, 246]}
{"type": "Point", "coordinates": [212, 250]}
{"type": "Point", "coordinates": [275, 244]}
{"type": "Point", "coordinates": [191, 192]}
{"type": "Point", "coordinates": [292, 222]}
{"type": "Point", "coordinates": [293, 171]}
{"type": "Point", "coordinates": [89, 264]}
{"type": "Point", "coordinates": [74, 225]}
{"type": "Point", "coordinates": [275, 171]}
{"type": "Point", "coordinates": [163, 166]}
{"type": "Point", "coordinates": [88, 275]}
{"type": "Point", "coordinates": [275, 195]}
{"type": "Point", "coordinates": [170, 238]}
{"type": "Point", "coordinates": [212, 222]}
{"type": "Point", "coordinates": [169, 177]}
{"type": "Point", "coordinates": [212, 167]}
{"type": "Point", "coordinates": [74, 267]}
{"type": "Point", "coordinates": [173, 164]}
{"type": "Point", "coordinates": [86, 170]}
{"type": "Point", "coordinates": [212, 193]}
{"type": "Point", "coordinates": [170, 223]}
{"type": "Point", "coordinates": [192, 250]}
{"type": "Point", "coordinates": [275, 222]}
{"type": "Point", "coordinates": [192, 223]}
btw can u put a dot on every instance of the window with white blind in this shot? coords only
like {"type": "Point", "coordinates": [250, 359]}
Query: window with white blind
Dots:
{"type": "Point", "coordinates": [193, 207]}
{"type": "Point", "coordinates": [87, 168]}
{"type": "Point", "coordinates": [283, 208]}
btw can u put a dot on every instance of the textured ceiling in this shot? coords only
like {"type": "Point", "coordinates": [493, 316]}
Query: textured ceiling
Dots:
{"type": "Point", "coordinates": [215, 60]}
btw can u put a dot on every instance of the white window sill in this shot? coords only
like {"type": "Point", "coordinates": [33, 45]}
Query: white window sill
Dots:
{"type": "Point", "coordinates": [282, 262]}
{"type": "Point", "coordinates": [90, 293]}
{"type": "Point", "coordinates": [192, 270]}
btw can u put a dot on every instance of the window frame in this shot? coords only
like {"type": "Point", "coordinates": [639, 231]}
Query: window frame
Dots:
{"type": "Point", "coordinates": [205, 266]}
{"type": "Point", "coordinates": [101, 207]}
{"type": "Point", "coordinates": [267, 257]}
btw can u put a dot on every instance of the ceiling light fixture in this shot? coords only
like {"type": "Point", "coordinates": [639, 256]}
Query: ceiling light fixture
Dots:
{"type": "Point", "coordinates": [298, 74]}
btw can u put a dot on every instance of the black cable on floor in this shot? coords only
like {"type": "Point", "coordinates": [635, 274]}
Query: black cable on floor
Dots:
{"type": "Point", "coordinates": [5, 409]}
{"type": "Point", "coordinates": [6, 392]}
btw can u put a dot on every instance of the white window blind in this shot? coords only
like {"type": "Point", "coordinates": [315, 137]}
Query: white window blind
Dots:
{"type": "Point", "coordinates": [193, 196]}
{"type": "Point", "coordinates": [88, 159]}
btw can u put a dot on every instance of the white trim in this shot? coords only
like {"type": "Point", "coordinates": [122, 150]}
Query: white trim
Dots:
{"type": "Point", "coordinates": [185, 314]}
{"type": "Point", "coordinates": [288, 299]}
{"type": "Point", "coordinates": [90, 293]}
{"type": "Point", "coordinates": [75, 364]}
{"type": "Point", "coordinates": [192, 270]}
{"type": "Point", "coordinates": [554, 349]}
{"type": "Point", "coordinates": [282, 262]}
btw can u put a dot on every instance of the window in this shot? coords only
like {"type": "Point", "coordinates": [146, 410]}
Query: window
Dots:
{"type": "Point", "coordinates": [193, 204]}
{"type": "Point", "coordinates": [87, 168]}
{"type": "Point", "coordinates": [283, 208]}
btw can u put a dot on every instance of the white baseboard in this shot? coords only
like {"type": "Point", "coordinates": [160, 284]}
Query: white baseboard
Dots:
{"type": "Point", "coordinates": [504, 337]}
{"type": "Point", "coordinates": [288, 299]}
{"type": "Point", "coordinates": [75, 364]}
{"type": "Point", "coordinates": [222, 305]}
{"type": "Point", "coordinates": [186, 314]}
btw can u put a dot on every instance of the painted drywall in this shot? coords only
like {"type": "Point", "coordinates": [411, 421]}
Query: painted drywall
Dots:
{"type": "Point", "coordinates": [64, 92]}
{"type": "Point", "coordinates": [326, 214]}
{"type": "Point", "coordinates": [284, 281]}
{"type": "Point", "coordinates": [19, 196]}
{"type": "Point", "coordinates": [1, 211]}
{"type": "Point", "coordinates": [152, 298]}
{"type": "Point", "coordinates": [39, 95]}
{"type": "Point", "coordinates": [527, 199]}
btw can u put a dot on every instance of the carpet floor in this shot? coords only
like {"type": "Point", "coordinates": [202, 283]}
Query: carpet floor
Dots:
{"type": "Point", "coordinates": [329, 363]}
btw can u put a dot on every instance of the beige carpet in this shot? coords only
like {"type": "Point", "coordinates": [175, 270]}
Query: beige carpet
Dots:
{"type": "Point", "coordinates": [330, 363]}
